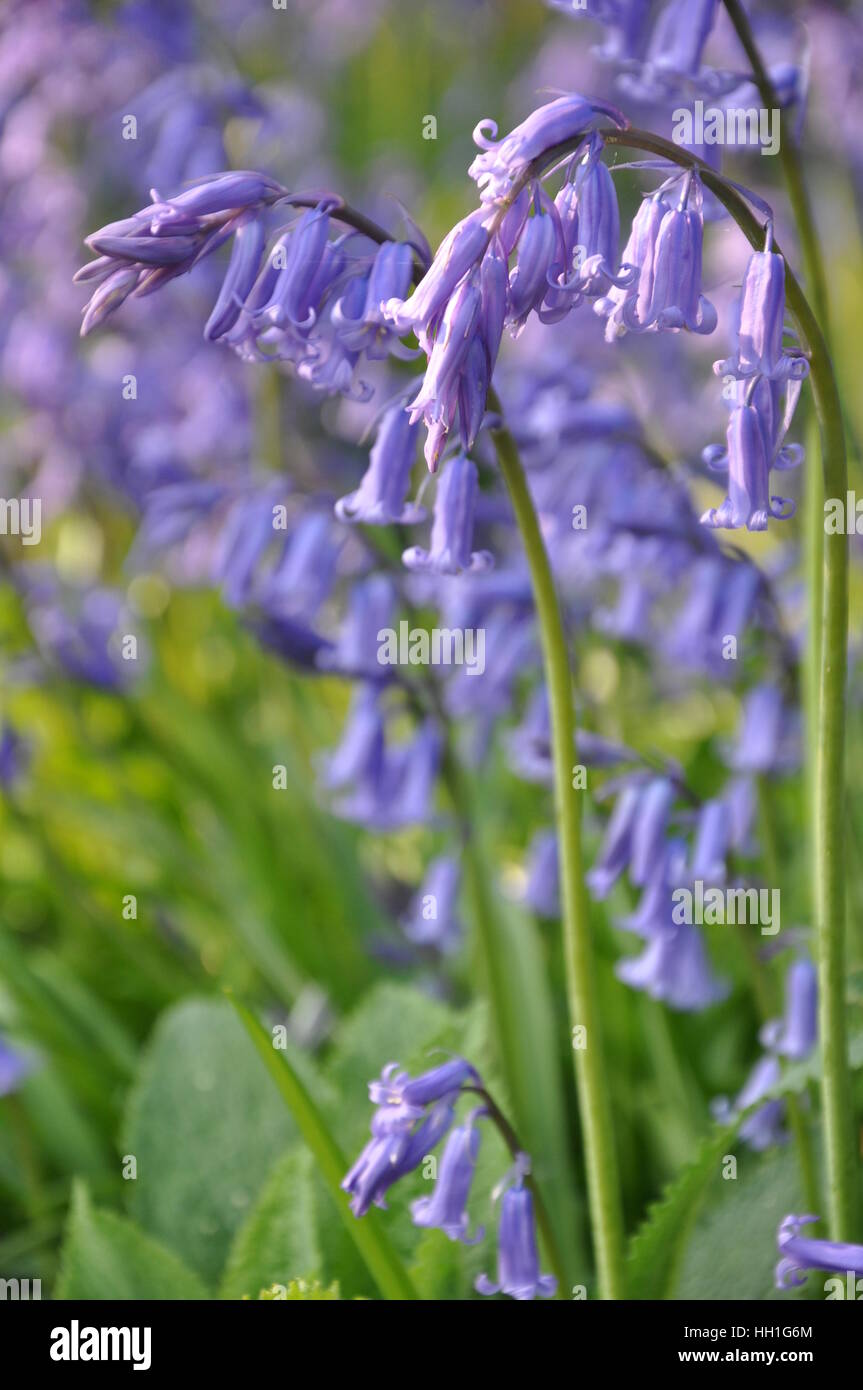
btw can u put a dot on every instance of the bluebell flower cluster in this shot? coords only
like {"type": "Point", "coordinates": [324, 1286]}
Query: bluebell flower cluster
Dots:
{"type": "Point", "coordinates": [412, 1117]}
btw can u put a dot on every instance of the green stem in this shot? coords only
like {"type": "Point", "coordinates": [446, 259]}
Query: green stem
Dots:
{"type": "Point", "coordinates": [840, 1147]}
{"type": "Point", "coordinates": [598, 1138]}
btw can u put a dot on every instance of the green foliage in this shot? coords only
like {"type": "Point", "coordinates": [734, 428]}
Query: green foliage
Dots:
{"type": "Point", "coordinates": [105, 1257]}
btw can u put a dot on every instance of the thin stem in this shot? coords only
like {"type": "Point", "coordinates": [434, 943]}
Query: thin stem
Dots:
{"type": "Point", "coordinates": [597, 1134]}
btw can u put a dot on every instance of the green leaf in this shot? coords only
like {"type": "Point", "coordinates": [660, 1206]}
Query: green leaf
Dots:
{"type": "Point", "coordinates": [368, 1233]}
{"type": "Point", "coordinates": [659, 1244]}
{"type": "Point", "coordinates": [205, 1128]}
{"type": "Point", "coordinates": [733, 1252]}
{"type": "Point", "coordinates": [279, 1240]}
{"type": "Point", "coordinates": [106, 1256]}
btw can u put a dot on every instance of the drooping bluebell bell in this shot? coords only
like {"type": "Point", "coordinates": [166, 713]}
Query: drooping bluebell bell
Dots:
{"type": "Point", "coordinates": [432, 921]}
{"type": "Point", "coordinates": [626, 22]}
{"type": "Point", "coordinates": [14, 1067]}
{"type": "Point", "coordinates": [674, 968]}
{"type": "Point", "coordinates": [749, 502]}
{"type": "Point", "coordinates": [459, 252]}
{"type": "Point", "coordinates": [389, 278]}
{"type": "Point", "coordinates": [380, 498]}
{"type": "Point", "coordinates": [397, 1087]}
{"type": "Point", "coordinates": [635, 835]}
{"type": "Point", "coordinates": [452, 528]}
{"type": "Point", "coordinates": [243, 541]}
{"type": "Point", "coordinates": [303, 577]}
{"type": "Point", "coordinates": [371, 603]}
{"type": "Point", "coordinates": [764, 1128]}
{"type": "Point", "coordinates": [540, 248]}
{"type": "Point", "coordinates": [359, 756]}
{"type": "Point", "coordinates": [168, 237]}
{"type": "Point", "coordinates": [14, 756]}
{"type": "Point", "coordinates": [678, 38]}
{"type": "Point", "coordinates": [712, 842]}
{"type": "Point", "coordinates": [398, 1146]}
{"type": "Point", "coordinates": [382, 786]}
{"type": "Point", "coordinates": [626, 307]}
{"type": "Point", "coordinates": [761, 323]}
{"type": "Point", "coordinates": [501, 164]}
{"type": "Point", "coordinates": [590, 227]}
{"type": "Point", "coordinates": [446, 1208]}
{"type": "Point", "coordinates": [801, 1253]}
{"type": "Point", "coordinates": [542, 889]}
{"type": "Point", "coordinates": [518, 1273]}
{"type": "Point", "coordinates": [80, 634]}
{"type": "Point", "coordinates": [796, 1033]}
{"type": "Point", "coordinates": [769, 734]}
{"type": "Point", "coordinates": [437, 399]}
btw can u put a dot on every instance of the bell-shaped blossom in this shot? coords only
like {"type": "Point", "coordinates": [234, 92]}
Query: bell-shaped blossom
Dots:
{"type": "Point", "coordinates": [749, 502]}
{"type": "Point", "coordinates": [433, 920]}
{"type": "Point", "coordinates": [518, 1272]}
{"type": "Point", "coordinates": [380, 498]}
{"type": "Point", "coordinates": [769, 735]}
{"type": "Point", "coordinates": [712, 842]}
{"type": "Point", "coordinates": [761, 324]}
{"type": "Point", "coordinates": [589, 219]}
{"type": "Point", "coordinates": [801, 1253]}
{"type": "Point", "coordinates": [459, 252]}
{"type": "Point", "coordinates": [539, 249]}
{"type": "Point", "coordinates": [396, 1150]}
{"type": "Point", "coordinates": [796, 1033]}
{"type": "Point", "coordinates": [675, 969]}
{"type": "Point", "coordinates": [542, 890]}
{"type": "Point", "coordinates": [355, 653]}
{"type": "Point", "coordinates": [764, 1128]}
{"type": "Point", "coordinates": [359, 756]}
{"type": "Point", "coordinates": [389, 278]}
{"type": "Point", "coordinates": [679, 36]}
{"type": "Point", "coordinates": [501, 164]}
{"type": "Point", "coordinates": [446, 1208]}
{"type": "Point", "coordinates": [452, 528]}
{"type": "Point", "coordinates": [627, 307]}
{"type": "Point", "coordinates": [396, 1087]}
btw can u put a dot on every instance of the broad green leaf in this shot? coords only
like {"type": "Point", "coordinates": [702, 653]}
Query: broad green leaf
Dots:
{"type": "Point", "coordinates": [279, 1240]}
{"type": "Point", "coordinates": [205, 1128]}
{"type": "Point", "coordinates": [732, 1253]}
{"type": "Point", "coordinates": [368, 1233]}
{"type": "Point", "coordinates": [106, 1257]}
{"type": "Point", "coordinates": [659, 1244]}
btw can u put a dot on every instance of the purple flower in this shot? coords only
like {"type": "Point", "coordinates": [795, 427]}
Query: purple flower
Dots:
{"type": "Point", "coordinates": [542, 892]}
{"type": "Point", "coordinates": [452, 529]}
{"type": "Point", "coordinates": [748, 502]}
{"type": "Point", "coordinates": [14, 756]}
{"type": "Point", "coordinates": [380, 498]}
{"type": "Point", "coordinates": [458, 253]}
{"type": "Point", "coordinates": [712, 842]}
{"type": "Point", "coordinates": [540, 247]}
{"type": "Point", "coordinates": [590, 227]}
{"type": "Point", "coordinates": [679, 36]}
{"type": "Point", "coordinates": [517, 1255]}
{"type": "Point", "coordinates": [765, 1127]}
{"type": "Point", "coordinates": [446, 1209]}
{"type": "Point", "coordinates": [433, 919]}
{"type": "Point", "coordinates": [626, 306]}
{"type": "Point", "coordinates": [501, 165]}
{"type": "Point", "coordinates": [635, 835]}
{"type": "Point", "coordinates": [768, 740]}
{"type": "Point", "coordinates": [796, 1033]}
{"type": "Point", "coordinates": [396, 1149]}
{"type": "Point", "coordinates": [761, 322]}
{"type": "Point", "coordinates": [389, 279]}
{"type": "Point", "coordinates": [13, 1068]}
{"type": "Point", "coordinates": [395, 1087]}
{"type": "Point", "coordinates": [370, 608]}
{"type": "Point", "coordinates": [674, 968]}
{"type": "Point", "coordinates": [801, 1253]}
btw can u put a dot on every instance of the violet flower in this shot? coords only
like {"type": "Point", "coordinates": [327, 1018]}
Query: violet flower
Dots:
{"type": "Point", "coordinates": [433, 921]}
{"type": "Point", "coordinates": [542, 891]}
{"type": "Point", "coordinates": [446, 1209]}
{"type": "Point", "coordinates": [452, 529]}
{"type": "Point", "coordinates": [674, 968]}
{"type": "Point", "coordinates": [796, 1033]}
{"type": "Point", "coordinates": [380, 498]}
{"type": "Point", "coordinates": [761, 323]}
{"type": "Point", "coordinates": [500, 165]}
{"type": "Point", "coordinates": [517, 1256]}
{"type": "Point", "coordinates": [801, 1253]}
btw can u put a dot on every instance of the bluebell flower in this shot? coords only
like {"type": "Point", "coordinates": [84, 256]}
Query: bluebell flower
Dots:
{"type": "Point", "coordinates": [305, 572]}
{"type": "Point", "coordinates": [501, 164]}
{"type": "Point", "coordinates": [446, 1209]}
{"type": "Point", "coordinates": [712, 842]}
{"type": "Point", "coordinates": [796, 1033]}
{"type": "Point", "coordinates": [14, 756]}
{"type": "Point", "coordinates": [590, 226]}
{"type": "Point", "coordinates": [801, 1253]}
{"type": "Point", "coordinates": [14, 1067]}
{"type": "Point", "coordinates": [370, 608]}
{"type": "Point", "coordinates": [626, 307]}
{"type": "Point", "coordinates": [442, 1082]}
{"type": "Point", "coordinates": [380, 498]}
{"type": "Point", "coordinates": [635, 835]}
{"type": "Point", "coordinates": [459, 252]}
{"type": "Point", "coordinates": [761, 324]}
{"type": "Point", "coordinates": [518, 1271]}
{"type": "Point", "coordinates": [452, 529]}
{"type": "Point", "coordinates": [359, 756]}
{"type": "Point", "coordinates": [765, 1127]}
{"type": "Point", "coordinates": [542, 890]}
{"type": "Point", "coordinates": [769, 736]}
{"type": "Point", "coordinates": [749, 502]}
{"type": "Point", "coordinates": [675, 969]}
{"type": "Point", "coordinates": [433, 920]}
{"type": "Point", "coordinates": [679, 36]}
{"type": "Point", "coordinates": [540, 248]}
{"type": "Point", "coordinates": [395, 1150]}
{"type": "Point", "coordinates": [389, 279]}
